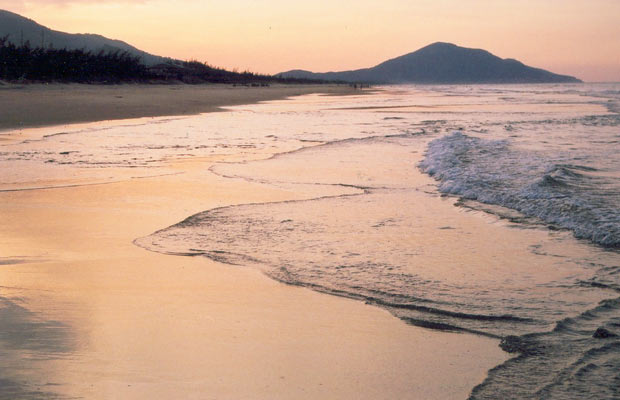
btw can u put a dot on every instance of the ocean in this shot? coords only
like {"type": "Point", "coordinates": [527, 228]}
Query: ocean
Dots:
{"type": "Point", "coordinates": [516, 235]}
{"type": "Point", "coordinates": [489, 210]}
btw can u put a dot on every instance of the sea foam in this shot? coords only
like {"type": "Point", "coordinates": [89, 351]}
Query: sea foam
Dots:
{"type": "Point", "coordinates": [555, 188]}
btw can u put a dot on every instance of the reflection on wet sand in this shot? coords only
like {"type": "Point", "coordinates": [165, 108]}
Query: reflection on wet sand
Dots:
{"type": "Point", "coordinates": [27, 344]}
{"type": "Point", "coordinates": [144, 325]}
{"type": "Point", "coordinates": [112, 320]}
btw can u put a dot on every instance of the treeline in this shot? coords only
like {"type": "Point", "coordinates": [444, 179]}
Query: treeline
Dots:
{"type": "Point", "coordinates": [197, 72]}
{"type": "Point", "coordinates": [25, 63]}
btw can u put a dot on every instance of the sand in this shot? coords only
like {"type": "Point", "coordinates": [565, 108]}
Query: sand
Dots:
{"type": "Point", "coordinates": [24, 106]}
{"type": "Point", "coordinates": [116, 321]}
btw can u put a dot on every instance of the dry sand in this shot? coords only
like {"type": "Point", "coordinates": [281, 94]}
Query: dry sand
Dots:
{"type": "Point", "coordinates": [23, 106]}
{"type": "Point", "coordinates": [133, 324]}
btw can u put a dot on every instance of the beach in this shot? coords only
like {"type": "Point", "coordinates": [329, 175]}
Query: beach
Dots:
{"type": "Point", "coordinates": [105, 318]}
{"type": "Point", "coordinates": [33, 105]}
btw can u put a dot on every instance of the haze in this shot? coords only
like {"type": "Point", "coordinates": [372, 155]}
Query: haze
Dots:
{"type": "Point", "coordinates": [574, 37]}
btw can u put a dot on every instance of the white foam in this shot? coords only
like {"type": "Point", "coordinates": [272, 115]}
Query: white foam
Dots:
{"type": "Point", "coordinates": [552, 187]}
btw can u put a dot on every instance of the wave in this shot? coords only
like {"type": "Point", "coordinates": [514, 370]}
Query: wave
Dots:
{"type": "Point", "coordinates": [578, 359]}
{"type": "Point", "coordinates": [553, 188]}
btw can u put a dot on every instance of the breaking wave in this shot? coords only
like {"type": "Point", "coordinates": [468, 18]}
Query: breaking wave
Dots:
{"type": "Point", "coordinates": [554, 188]}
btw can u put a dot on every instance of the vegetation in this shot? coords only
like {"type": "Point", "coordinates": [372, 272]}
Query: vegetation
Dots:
{"type": "Point", "coordinates": [27, 64]}
{"type": "Point", "coordinates": [38, 64]}
{"type": "Point", "coordinates": [197, 72]}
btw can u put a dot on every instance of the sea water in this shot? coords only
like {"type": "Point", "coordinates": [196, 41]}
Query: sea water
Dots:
{"type": "Point", "coordinates": [487, 210]}
{"type": "Point", "coordinates": [529, 255]}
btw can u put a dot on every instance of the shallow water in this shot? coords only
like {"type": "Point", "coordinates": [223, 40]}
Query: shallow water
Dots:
{"type": "Point", "coordinates": [535, 168]}
{"type": "Point", "coordinates": [484, 209]}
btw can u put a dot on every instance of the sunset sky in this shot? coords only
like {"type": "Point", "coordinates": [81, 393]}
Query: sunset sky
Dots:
{"type": "Point", "coordinates": [575, 37]}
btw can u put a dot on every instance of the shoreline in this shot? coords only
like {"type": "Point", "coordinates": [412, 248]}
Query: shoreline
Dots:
{"type": "Point", "coordinates": [218, 329]}
{"type": "Point", "coordinates": [41, 105]}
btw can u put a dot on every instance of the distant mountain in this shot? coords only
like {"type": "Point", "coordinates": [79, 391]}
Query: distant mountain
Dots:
{"type": "Point", "coordinates": [20, 29]}
{"type": "Point", "coordinates": [442, 63]}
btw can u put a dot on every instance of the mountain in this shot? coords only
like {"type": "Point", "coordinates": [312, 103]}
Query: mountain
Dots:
{"type": "Point", "coordinates": [442, 63]}
{"type": "Point", "coordinates": [20, 29]}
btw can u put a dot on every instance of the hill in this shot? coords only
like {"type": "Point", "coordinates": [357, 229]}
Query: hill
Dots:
{"type": "Point", "coordinates": [30, 52]}
{"type": "Point", "coordinates": [20, 30]}
{"type": "Point", "coordinates": [442, 63]}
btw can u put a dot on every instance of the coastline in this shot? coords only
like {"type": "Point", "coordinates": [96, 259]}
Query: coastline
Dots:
{"type": "Point", "coordinates": [39, 105]}
{"type": "Point", "coordinates": [162, 326]}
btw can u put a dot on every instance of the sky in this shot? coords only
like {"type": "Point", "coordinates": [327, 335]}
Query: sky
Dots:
{"type": "Point", "coordinates": [574, 37]}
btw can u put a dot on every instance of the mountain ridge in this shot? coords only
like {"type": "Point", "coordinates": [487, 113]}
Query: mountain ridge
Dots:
{"type": "Point", "coordinates": [441, 63]}
{"type": "Point", "coordinates": [437, 63]}
{"type": "Point", "coordinates": [20, 29]}
{"type": "Point", "coordinates": [31, 52]}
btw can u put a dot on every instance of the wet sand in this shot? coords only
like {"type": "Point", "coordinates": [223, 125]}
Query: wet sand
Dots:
{"type": "Point", "coordinates": [23, 106]}
{"type": "Point", "coordinates": [116, 321]}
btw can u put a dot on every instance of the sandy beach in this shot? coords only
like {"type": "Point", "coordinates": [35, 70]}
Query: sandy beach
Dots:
{"type": "Point", "coordinates": [320, 200]}
{"type": "Point", "coordinates": [116, 321]}
{"type": "Point", "coordinates": [23, 106]}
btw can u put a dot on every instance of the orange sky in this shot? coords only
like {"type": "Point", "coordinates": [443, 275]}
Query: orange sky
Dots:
{"type": "Point", "coordinates": [575, 37]}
